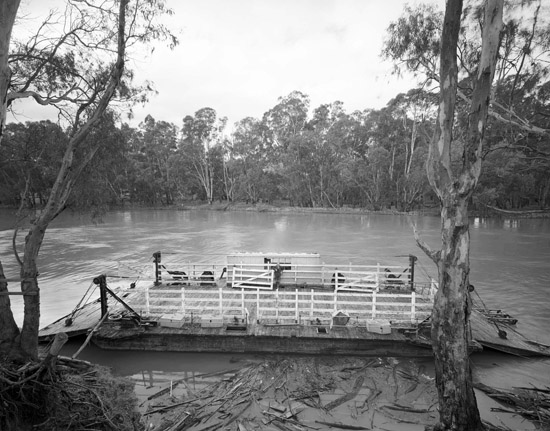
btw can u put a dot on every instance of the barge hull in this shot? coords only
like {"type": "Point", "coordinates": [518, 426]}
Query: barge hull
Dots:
{"type": "Point", "coordinates": [293, 340]}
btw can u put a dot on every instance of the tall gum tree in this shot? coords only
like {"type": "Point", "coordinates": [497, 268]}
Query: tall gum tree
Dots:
{"type": "Point", "coordinates": [52, 77]}
{"type": "Point", "coordinates": [454, 187]}
{"type": "Point", "coordinates": [8, 12]}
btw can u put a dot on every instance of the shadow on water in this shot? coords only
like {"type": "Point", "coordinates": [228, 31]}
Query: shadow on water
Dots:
{"type": "Point", "coordinates": [154, 371]}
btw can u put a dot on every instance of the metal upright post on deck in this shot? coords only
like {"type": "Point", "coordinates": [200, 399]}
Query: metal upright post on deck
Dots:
{"type": "Point", "coordinates": [311, 302]}
{"type": "Point", "coordinates": [101, 281]}
{"type": "Point", "coordinates": [158, 275]}
{"type": "Point", "coordinates": [413, 306]}
{"type": "Point", "coordinates": [296, 307]}
{"type": "Point", "coordinates": [412, 260]}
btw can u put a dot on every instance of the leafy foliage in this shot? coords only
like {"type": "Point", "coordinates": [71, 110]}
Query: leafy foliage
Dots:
{"type": "Point", "coordinates": [373, 159]}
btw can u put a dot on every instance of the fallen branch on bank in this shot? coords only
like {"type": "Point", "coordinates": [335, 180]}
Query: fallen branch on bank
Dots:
{"type": "Point", "coordinates": [531, 403]}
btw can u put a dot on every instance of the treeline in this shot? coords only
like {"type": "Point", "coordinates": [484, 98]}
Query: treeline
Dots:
{"type": "Point", "coordinates": [320, 157]}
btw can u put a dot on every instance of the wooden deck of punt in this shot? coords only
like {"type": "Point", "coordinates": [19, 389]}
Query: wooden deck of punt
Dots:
{"type": "Point", "coordinates": [82, 322]}
{"type": "Point", "coordinates": [486, 333]}
{"type": "Point", "coordinates": [128, 335]}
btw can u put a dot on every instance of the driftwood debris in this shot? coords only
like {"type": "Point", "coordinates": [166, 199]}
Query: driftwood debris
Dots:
{"type": "Point", "coordinates": [300, 393]}
{"type": "Point", "coordinates": [349, 396]}
{"type": "Point", "coordinates": [342, 426]}
{"type": "Point", "coordinates": [531, 403]}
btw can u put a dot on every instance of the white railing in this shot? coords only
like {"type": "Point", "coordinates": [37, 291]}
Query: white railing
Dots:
{"type": "Point", "coordinates": [252, 278]}
{"type": "Point", "coordinates": [297, 306]}
{"type": "Point", "coordinates": [354, 278]}
{"type": "Point", "coordinates": [191, 273]}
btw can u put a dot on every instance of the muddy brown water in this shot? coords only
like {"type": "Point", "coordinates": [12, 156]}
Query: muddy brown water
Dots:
{"type": "Point", "coordinates": [510, 268]}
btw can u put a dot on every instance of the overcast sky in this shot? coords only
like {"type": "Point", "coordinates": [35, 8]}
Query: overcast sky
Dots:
{"type": "Point", "coordinates": [239, 56]}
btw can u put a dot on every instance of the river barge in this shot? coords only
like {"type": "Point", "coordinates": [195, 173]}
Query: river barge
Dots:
{"type": "Point", "coordinates": [274, 303]}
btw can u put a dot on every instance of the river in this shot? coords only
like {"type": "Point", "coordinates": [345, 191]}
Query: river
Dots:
{"type": "Point", "coordinates": [510, 268]}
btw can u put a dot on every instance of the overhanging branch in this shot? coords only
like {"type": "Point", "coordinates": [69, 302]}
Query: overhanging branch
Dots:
{"type": "Point", "coordinates": [518, 122]}
{"type": "Point", "coordinates": [41, 99]}
{"type": "Point", "coordinates": [434, 255]}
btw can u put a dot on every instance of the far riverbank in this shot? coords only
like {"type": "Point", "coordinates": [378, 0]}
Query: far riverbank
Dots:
{"type": "Point", "coordinates": [489, 212]}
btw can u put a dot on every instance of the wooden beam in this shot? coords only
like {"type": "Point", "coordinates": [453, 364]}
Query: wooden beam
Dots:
{"type": "Point", "coordinates": [6, 293]}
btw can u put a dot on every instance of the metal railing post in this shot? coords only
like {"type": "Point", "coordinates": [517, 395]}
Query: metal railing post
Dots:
{"type": "Point", "coordinates": [183, 300]}
{"type": "Point", "coordinates": [312, 301]}
{"type": "Point", "coordinates": [101, 281]}
{"type": "Point", "coordinates": [158, 274]}
{"type": "Point", "coordinates": [412, 260]}
{"type": "Point", "coordinates": [413, 306]}
{"type": "Point", "coordinates": [297, 313]}
{"type": "Point", "coordinates": [147, 305]}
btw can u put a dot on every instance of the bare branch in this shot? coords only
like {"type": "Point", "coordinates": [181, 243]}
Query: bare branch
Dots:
{"type": "Point", "coordinates": [43, 100]}
{"type": "Point", "coordinates": [518, 122]}
{"type": "Point", "coordinates": [434, 255]}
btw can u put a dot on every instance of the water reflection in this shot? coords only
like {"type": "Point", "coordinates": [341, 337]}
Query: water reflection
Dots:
{"type": "Point", "coordinates": [185, 373]}
{"type": "Point", "coordinates": [281, 224]}
{"type": "Point", "coordinates": [510, 223]}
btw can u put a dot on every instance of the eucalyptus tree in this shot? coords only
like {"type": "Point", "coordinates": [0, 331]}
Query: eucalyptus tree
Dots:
{"type": "Point", "coordinates": [8, 13]}
{"type": "Point", "coordinates": [251, 161]}
{"type": "Point", "coordinates": [30, 156]}
{"type": "Point", "coordinates": [77, 66]}
{"type": "Point", "coordinates": [104, 181]}
{"type": "Point", "coordinates": [158, 149]}
{"type": "Point", "coordinates": [283, 127]}
{"type": "Point", "coordinates": [369, 175]}
{"type": "Point", "coordinates": [454, 182]}
{"type": "Point", "coordinates": [299, 169]}
{"type": "Point", "coordinates": [201, 134]}
{"type": "Point", "coordinates": [287, 119]}
{"type": "Point", "coordinates": [414, 113]}
{"type": "Point", "coordinates": [520, 91]}
{"type": "Point", "coordinates": [330, 127]}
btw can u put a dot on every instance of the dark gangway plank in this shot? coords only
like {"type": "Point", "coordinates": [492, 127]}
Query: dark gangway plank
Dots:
{"type": "Point", "coordinates": [487, 334]}
{"type": "Point", "coordinates": [83, 320]}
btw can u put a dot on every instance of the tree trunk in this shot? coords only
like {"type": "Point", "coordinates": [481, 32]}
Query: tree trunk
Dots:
{"type": "Point", "coordinates": [8, 328]}
{"type": "Point", "coordinates": [8, 11]}
{"type": "Point", "coordinates": [29, 286]}
{"type": "Point", "coordinates": [450, 330]}
{"type": "Point", "coordinates": [9, 332]}
{"type": "Point", "coordinates": [450, 316]}
{"type": "Point", "coordinates": [61, 190]}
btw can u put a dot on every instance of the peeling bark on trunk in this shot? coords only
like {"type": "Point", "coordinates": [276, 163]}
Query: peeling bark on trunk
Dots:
{"type": "Point", "coordinates": [8, 11]}
{"type": "Point", "coordinates": [9, 332]}
{"type": "Point", "coordinates": [450, 330]}
{"type": "Point", "coordinates": [450, 317]}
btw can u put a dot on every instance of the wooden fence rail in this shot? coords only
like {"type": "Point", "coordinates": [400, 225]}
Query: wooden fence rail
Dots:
{"type": "Point", "coordinates": [346, 277]}
{"type": "Point", "coordinates": [282, 306]}
{"type": "Point", "coordinates": [349, 277]}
